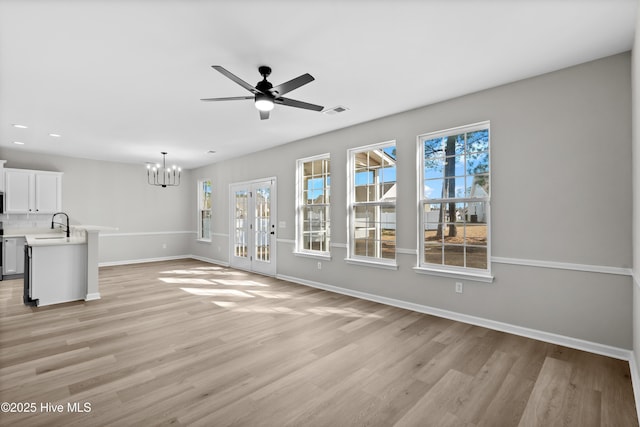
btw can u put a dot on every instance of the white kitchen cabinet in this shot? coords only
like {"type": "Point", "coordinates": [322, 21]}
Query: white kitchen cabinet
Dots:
{"type": "Point", "coordinates": [29, 191]}
{"type": "Point", "coordinates": [13, 256]}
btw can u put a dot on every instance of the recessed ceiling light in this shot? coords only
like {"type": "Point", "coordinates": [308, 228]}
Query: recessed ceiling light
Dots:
{"type": "Point", "coordinates": [55, 135]}
{"type": "Point", "coordinates": [19, 126]}
{"type": "Point", "coordinates": [18, 142]}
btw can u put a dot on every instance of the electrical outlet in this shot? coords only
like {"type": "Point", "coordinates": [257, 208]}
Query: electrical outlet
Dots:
{"type": "Point", "coordinates": [459, 287]}
{"type": "Point", "coordinates": [319, 265]}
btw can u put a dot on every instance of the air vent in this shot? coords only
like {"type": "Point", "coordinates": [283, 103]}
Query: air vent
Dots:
{"type": "Point", "coordinates": [335, 110]}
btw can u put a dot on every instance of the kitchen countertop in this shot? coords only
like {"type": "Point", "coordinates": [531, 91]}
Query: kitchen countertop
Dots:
{"type": "Point", "coordinates": [47, 236]}
{"type": "Point", "coordinates": [55, 239]}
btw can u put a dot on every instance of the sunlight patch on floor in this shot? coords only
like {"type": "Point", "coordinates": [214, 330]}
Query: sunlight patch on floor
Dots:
{"type": "Point", "coordinates": [239, 283]}
{"type": "Point", "coordinates": [184, 272]}
{"type": "Point", "coordinates": [271, 295]}
{"type": "Point", "coordinates": [217, 292]}
{"type": "Point", "coordinates": [228, 273]}
{"type": "Point", "coordinates": [268, 310]}
{"type": "Point", "coordinates": [209, 268]}
{"type": "Point", "coordinates": [225, 304]}
{"type": "Point", "coordinates": [189, 281]}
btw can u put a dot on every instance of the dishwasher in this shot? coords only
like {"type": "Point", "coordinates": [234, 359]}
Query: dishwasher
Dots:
{"type": "Point", "coordinates": [26, 297]}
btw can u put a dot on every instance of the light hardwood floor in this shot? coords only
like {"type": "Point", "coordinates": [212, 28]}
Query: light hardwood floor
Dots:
{"type": "Point", "coordinates": [190, 343]}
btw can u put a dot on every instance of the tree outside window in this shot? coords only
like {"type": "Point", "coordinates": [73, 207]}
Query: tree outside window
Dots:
{"type": "Point", "coordinates": [454, 202]}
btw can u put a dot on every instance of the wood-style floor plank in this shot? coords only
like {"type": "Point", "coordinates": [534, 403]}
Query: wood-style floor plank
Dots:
{"type": "Point", "coordinates": [189, 343]}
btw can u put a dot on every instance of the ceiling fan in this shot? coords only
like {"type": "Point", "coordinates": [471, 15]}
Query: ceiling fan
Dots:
{"type": "Point", "coordinates": [265, 94]}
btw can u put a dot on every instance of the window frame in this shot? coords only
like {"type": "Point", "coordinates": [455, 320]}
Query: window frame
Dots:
{"type": "Point", "coordinates": [470, 273]}
{"type": "Point", "coordinates": [352, 258]}
{"type": "Point", "coordinates": [201, 209]}
{"type": "Point", "coordinates": [301, 206]}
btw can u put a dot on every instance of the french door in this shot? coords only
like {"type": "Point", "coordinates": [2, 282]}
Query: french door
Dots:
{"type": "Point", "coordinates": [253, 226]}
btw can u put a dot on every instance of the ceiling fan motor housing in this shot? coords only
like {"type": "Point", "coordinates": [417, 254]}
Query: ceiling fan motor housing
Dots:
{"type": "Point", "coordinates": [264, 86]}
{"type": "Point", "coordinates": [264, 71]}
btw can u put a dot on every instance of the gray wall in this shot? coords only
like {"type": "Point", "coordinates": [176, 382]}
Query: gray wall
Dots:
{"type": "Point", "coordinates": [117, 195]}
{"type": "Point", "coordinates": [561, 162]}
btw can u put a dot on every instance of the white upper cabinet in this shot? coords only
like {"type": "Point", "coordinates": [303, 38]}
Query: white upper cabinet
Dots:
{"type": "Point", "coordinates": [48, 192]}
{"type": "Point", "coordinates": [30, 191]}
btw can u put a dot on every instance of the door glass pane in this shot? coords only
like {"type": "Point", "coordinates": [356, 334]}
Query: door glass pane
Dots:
{"type": "Point", "coordinates": [240, 235]}
{"type": "Point", "coordinates": [262, 224]}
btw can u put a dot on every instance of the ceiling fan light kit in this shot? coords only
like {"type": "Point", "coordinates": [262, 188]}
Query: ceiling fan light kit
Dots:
{"type": "Point", "coordinates": [265, 95]}
{"type": "Point", "coordinates": [264, 103]}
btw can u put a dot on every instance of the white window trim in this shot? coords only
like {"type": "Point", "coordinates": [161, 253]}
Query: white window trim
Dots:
{"type": "Point", "coordinates": [443, 270]}
{"type": "Point", "coordinates": [297, 250]}
{"type": "Point", "coordinates": [351, 258]}
{"type": "Point", "coordinates": [324, 256]}
{"type": "Point", "coordinates": [199, 209]}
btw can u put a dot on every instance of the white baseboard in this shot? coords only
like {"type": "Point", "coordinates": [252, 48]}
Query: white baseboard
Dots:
{"type": "Point", "coordinates": [168, 258]}
{"type": "Point", "coordinates": [92, 296]}
{"type": "Point", "coordinates": [143, 260]}
{"type": "Point", "coordinates": [602, 349]}
{"type": "Point", "coordinates": [210, 260]}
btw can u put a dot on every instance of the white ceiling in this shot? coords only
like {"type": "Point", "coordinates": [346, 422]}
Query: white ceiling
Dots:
{"type": "Point", "coordinates": [122, 80]}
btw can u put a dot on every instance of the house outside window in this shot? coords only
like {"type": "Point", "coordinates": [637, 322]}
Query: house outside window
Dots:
{"type": "Point", "coordinates": [313, 178]}
{"type": "Point", "coordinates": [372, 190]}
{"type": "Point", "coordinates": [204, 210]}
{"type": "Point", "coordinates": [454, 201]}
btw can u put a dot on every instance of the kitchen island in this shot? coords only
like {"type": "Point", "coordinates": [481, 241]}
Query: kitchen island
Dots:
{"type": "Point", "coordinates": [59, 268]}
{"type": "Point", "coordinates": [55, 268]}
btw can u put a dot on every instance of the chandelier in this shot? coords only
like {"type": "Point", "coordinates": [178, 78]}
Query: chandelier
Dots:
{"type": "Point", "coordinates": [162, 176]}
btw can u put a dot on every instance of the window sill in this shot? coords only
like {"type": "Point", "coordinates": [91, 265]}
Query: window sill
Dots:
{"type": "Point", "coordinates": [376, 264]}
{"type": "Point", "coordinates": [325, 256]}
{"type": "Point", "coordinates": [203, 240]}
{"type": "Point", "coordinates": [478, 277]}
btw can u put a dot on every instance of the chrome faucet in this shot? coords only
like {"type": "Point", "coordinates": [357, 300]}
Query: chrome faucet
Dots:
{"type": "Point", "coordinates": [60, 213]}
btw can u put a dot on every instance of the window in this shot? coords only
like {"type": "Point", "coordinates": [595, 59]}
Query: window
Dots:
{"type": "Point", "coordinates": [312, 216]}
{"type": "Point", "coordinates": [204, 210]}
{"type": "Point", "coordinates": [454, 200]}
{"type": "Point", "coordinates": [372, 204]}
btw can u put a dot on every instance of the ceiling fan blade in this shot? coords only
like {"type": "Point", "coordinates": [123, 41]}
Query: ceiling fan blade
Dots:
{"type": "Point", "coordinates": [298, 104]}
{"type": "Point", "coordinates": [293, 84]}
{"type": "Point", "coordinates": [236, 79]}
{"type": "Point", "coordinates": [229, 98]}
{"type": "Point", "coordinates": [264, 115]}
